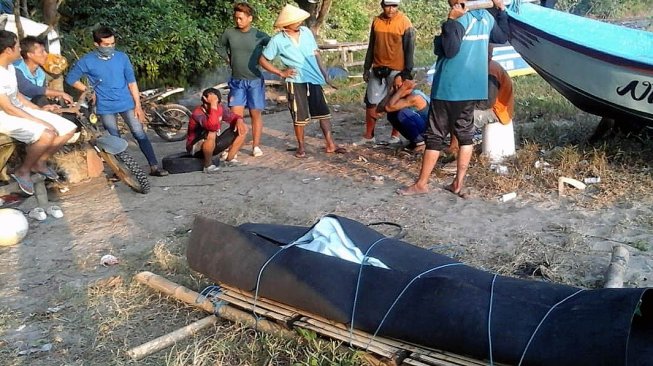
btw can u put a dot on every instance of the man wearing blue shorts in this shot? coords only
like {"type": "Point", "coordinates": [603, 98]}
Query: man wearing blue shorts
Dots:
{"type": "Point", "coordinates": [111, 74]}
{"type": "Point", "coordinates": [244, 45]}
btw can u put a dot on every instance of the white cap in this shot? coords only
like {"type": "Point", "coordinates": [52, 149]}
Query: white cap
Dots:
{"type": "Point", "coordinates": [391, 2]}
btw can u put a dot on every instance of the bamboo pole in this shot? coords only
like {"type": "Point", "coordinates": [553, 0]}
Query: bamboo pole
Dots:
{"type": "Point", "coordinates": [386, 348]}
{"type": "Point", "coordinates": [169, 339]}
{"type": "Point", "coordinates": [190, 297]}
{"type": "Point", "coordinates": [614, 276]}
{"type": "Point", "coordinates": [225, 311]}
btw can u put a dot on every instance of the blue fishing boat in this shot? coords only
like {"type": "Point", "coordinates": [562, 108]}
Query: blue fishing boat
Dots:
{"type": "Point", "coordinates": [602, 68]}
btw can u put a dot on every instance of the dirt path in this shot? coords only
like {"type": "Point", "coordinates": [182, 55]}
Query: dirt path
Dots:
{"type": "Point", "coordinates": [546, 237]}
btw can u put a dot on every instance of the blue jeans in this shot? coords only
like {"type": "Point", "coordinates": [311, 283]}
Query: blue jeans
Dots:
{"type": "Point", "coordinates": [409, 124]}
{"type": "Point", "coordinates": [109, 122]}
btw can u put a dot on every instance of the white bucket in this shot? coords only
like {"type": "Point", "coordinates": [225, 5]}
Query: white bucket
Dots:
{"type": "Point", "coordinates": [498, 141]}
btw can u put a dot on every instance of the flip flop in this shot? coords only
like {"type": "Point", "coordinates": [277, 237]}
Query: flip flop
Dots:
{"type": "Point", "coordinates": [339, 150]}
{"type": "Point", "coordinates": [460, 193]}
{"type": "Point", "coordinates": [25, 185]}
{"type": "Point", "coordinates": [299, 155]}
{"type": "Point", "coordinates": [49, 173]}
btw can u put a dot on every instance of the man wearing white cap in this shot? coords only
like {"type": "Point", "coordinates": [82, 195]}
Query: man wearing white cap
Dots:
{"type": "Point", "coordinates": [296, 47]}
{"type": "Point", "coordinates": [389, 52]}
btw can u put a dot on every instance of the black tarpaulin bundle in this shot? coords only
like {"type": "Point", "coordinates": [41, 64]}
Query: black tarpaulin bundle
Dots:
{"type": "Point", "coordinates": [426, 298]}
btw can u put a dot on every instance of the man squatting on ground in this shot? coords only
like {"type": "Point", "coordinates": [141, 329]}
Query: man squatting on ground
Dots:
{"type": "Point", "coordinates": [459, 83]}
{"type": "Point", "coordinates": [244, 45]}
{"type": "Point", "coordinates": [31, 76]}
{"type": "Point", "coordinates": [408, 111]}
{"type": "Point", "coordinates": [112, 76]}
{"type": "Point", "coordinates": [296, 47]}
{"type": "Point", "coordinates": [389, 52]}
{"type": "Point", "coordinates": [42, 131]}
{"type": "Point", "coordinates": [205, 136]}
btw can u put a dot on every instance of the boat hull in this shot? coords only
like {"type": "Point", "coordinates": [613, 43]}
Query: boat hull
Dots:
{"type": "Point", "coordinates": [596, 82]}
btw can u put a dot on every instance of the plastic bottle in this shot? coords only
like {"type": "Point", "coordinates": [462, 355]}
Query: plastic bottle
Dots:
{"type": "Point", "coordinates": [592, 180]}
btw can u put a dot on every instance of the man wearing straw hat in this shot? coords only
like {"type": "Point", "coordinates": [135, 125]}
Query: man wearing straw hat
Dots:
{"type": "Point", "coordinates": [304, 74]}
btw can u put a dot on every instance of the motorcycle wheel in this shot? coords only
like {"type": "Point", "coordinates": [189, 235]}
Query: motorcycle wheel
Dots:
{"type": "Point", "coordinates": [175, 124]}
{"type": "Point", "coordinates": [127, 170]}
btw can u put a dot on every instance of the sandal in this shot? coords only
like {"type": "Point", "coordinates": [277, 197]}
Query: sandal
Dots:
{"type": "Point", "coordinates": [462, 193]}
{"type": "Point", "coordinates": [49, 173]}
{"type": "Point", "coordinates": [55, 211]}
{"type": "Point", "coordinates": [300, 155]}
{"type": "Point", "coordinates": [38, 214]}
{"type": "Point", "coordinates": [25, 185]}
{"type": "Point", "coordinates": [338, 150]}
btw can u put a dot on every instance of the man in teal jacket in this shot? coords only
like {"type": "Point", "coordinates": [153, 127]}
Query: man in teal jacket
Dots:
{"type": "Point", "coordinates": [459, 83]}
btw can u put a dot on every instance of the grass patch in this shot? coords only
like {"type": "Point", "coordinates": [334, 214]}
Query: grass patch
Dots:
{"type": "Point", "coordinates": [99, 323]}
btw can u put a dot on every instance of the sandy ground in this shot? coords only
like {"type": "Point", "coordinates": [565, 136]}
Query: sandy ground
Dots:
{"type": "Point", "coordinates": [525, 235]}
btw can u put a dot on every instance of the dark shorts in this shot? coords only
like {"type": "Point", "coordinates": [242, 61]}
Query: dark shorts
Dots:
{"type": "Point", "coordinates": [306, 101]}
{"type": "Point", "coordinates": [455, 117]}
{"type": "Point", "coordinates": [222, 143]}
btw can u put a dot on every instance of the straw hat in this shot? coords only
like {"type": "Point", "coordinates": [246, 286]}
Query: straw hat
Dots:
{"type": "Point", "coordinates": [290, 15]}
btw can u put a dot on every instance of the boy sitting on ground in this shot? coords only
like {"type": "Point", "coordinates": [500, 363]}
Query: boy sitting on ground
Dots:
{"type": "Point", "coordinates": [205, 135]}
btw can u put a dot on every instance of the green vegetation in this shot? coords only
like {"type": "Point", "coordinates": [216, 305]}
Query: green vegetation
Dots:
{"type": "Point", "coordinates": [604, 9]}
{"type": "Point", "coordinates": [173, 37]}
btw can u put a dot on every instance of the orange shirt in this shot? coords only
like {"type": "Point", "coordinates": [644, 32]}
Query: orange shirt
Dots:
{"type": "Point", "coordinates": [505, 104]}
{"type": "Point", "coordinates": [388, 40]}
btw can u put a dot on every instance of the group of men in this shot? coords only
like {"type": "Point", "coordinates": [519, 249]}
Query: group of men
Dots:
{"type": "Point", "coordinates": [460, 85]}
{"type": "Point", "coordinates": [465, 83]}
{"type": "Point", "coordinates": [26, 102]}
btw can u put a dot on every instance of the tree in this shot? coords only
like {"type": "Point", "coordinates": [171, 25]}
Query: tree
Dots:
{"type": "Point", "coordinates": [319, 10]}
{"type": "Point", "coordinates": [19, 25]}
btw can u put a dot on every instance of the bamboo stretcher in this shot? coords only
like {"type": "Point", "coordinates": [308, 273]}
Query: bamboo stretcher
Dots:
{"type": "Point", "coordinates": [275, 315]}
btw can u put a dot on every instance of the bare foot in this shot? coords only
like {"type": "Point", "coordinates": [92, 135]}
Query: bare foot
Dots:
{"type": "Point", "coordinates": [458, 192]}
{"type": "Point", "coordinates": [412, 190]}
{"type": "Point", "coordinates": [300, 154]}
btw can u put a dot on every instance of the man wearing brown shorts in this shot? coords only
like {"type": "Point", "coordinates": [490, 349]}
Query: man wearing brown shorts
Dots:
{"type": "Point", "coordinates": [304, 75]}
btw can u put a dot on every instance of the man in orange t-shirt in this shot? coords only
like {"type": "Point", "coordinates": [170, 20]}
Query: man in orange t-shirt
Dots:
{"type": "Point", "coordinates": [389, 52]}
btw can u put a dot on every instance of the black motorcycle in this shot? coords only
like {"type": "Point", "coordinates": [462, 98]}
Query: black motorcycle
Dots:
{"type": "Point", "coordinates": [170, 120]}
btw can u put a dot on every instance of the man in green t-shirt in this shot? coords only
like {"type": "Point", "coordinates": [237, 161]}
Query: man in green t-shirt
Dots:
{"type": "Point", "coordinates": [244, 45]}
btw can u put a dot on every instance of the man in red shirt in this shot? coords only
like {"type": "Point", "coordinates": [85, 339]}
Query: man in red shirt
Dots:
{"type": "Point", "coordinates": [206, 137]}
